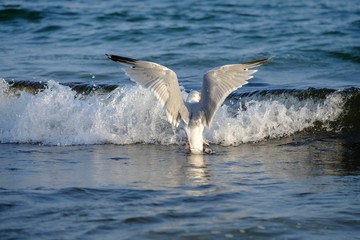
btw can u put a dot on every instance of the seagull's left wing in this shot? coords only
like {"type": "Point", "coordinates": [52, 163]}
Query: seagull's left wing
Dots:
{"type": "Point", "coordinates": [220, 82]}
{"type": "Point", "coordinates": [161, 81]}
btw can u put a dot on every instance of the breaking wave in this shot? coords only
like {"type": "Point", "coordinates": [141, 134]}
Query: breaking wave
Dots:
{"type": "Point", "coordinates": [56, 114]}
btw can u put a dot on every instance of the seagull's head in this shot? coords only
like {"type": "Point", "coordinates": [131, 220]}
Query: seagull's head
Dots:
{"type": "Point", "coordinates": [193, 97]}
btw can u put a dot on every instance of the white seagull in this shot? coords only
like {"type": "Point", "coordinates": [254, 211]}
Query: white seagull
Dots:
{"type": "Point", "coordinates": [198, 110]}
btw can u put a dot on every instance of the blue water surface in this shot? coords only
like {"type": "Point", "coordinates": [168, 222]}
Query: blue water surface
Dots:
{"type": "Point", "coordinates": [302, 185]}
{"type": "Point", "coordinates": [314, 44]}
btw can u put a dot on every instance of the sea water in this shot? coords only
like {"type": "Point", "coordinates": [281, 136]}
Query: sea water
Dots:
{"type": "Point", "coordinates": [85, 153]}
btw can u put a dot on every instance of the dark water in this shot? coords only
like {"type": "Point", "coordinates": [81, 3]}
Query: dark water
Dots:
{"type": "Point", "coordinates": [87, 154]}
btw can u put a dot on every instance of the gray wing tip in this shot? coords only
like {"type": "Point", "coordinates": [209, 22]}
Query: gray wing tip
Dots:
{"type": "Point", "coordinates": [120, 59]}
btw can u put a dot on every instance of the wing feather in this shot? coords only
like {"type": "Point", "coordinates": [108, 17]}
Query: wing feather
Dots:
{"type": "Point", "coordinates": [161, 81]}
{"type": "Point", "coordinates": [220, 82]}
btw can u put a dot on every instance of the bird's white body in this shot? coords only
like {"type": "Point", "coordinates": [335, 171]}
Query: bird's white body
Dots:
{"type": "Point", "coordinates": [195, 136]}
{"type": "Point", "coordinates": [194, 114]}
{"type": "Point", "coordinates": [194, 129]}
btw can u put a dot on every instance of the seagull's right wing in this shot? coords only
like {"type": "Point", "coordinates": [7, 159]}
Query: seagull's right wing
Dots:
{"type": "Point", "coordinates": [220, 82]}
{"type": "Point", "coordinates": [161, 81]}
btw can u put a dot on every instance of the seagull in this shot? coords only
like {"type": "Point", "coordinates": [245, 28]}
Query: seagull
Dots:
{"type": "Point", "coordinates": [198, 110]}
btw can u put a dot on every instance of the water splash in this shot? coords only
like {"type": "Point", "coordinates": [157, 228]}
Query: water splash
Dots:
{"type": "Point", "coordinates": [58, 115]}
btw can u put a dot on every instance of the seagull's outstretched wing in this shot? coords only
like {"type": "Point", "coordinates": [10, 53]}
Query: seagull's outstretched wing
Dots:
{"type": "Point", "coordinates": [220, 82]}
{"type": "Point", "coordinates": [161, 81]}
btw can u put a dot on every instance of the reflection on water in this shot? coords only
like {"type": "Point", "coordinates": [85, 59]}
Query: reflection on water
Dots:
{"type": "Point", "coordinates": [197, 170]}
{"type": "Point", "coordinates": [153, 166]}
{"type": "Point", "coordinates": [297, 156]}
{"type": "Point", "coordinates": [248, 190]}
{"type": "Point", "coordinates": [168, 166]}
{"type": "Point", "coordinates": [198, 174]}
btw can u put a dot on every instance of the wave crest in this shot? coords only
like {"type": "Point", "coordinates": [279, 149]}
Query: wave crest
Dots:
{"type": "Point", "coordinates": [56, 114]}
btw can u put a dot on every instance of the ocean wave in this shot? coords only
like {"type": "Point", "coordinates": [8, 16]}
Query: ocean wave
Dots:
{"type": "Point", "coordinates": [13, 13]}
{"type": "Point", "coordinates": [55, 114]}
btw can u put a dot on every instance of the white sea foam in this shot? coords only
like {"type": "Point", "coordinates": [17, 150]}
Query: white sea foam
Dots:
{"type": "Point", "coordinates": [269, 118]}
{"type": "Point", "coordinates": [131, 114]}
